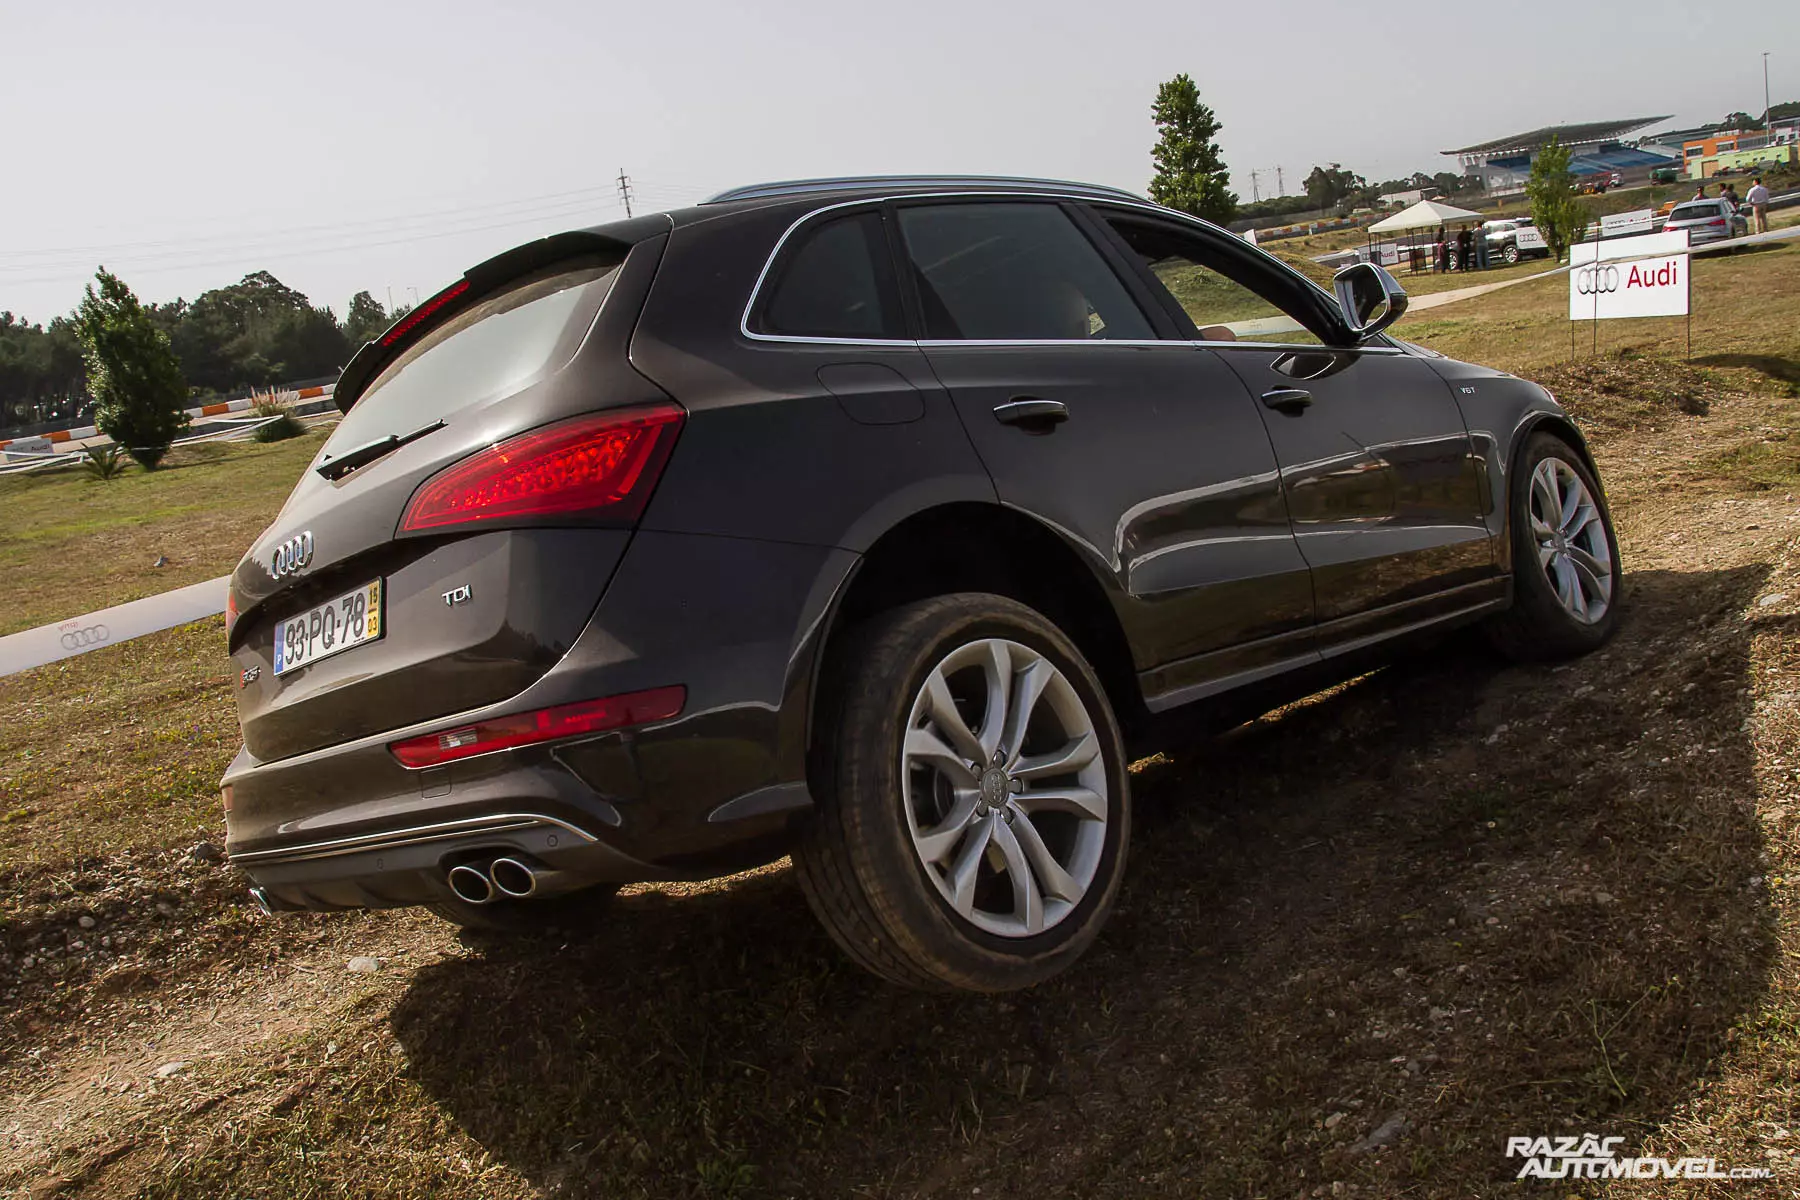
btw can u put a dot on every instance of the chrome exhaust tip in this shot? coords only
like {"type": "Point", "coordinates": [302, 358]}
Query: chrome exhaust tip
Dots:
{"type": "Point", "coordinates": [263, 902]}
{"type": "Point", "coordinates": [514, 878]}
{"type": "Point", "coordinates": [471, 884]}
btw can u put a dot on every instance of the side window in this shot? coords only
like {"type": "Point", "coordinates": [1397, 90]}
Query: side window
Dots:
{"type": "Point", "coordinates": [1014, 272]}
{"type": "Point", "coordinates": [835, 282]}
{"type": "Point", "coordinates": [1222, 308]}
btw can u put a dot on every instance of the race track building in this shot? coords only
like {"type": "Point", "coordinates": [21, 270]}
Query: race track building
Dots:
{"type": "Point", "coordinates": [1597, 147]}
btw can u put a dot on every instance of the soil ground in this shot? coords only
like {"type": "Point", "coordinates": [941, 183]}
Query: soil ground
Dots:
{"type": "Point", "coordinates": [1364, 939]}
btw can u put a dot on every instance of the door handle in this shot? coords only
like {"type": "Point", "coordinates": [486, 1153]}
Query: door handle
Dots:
{"type": "Point", "coordinates": [1032, 414]}
{"type": "Point", "coordinates": [1292, 401]}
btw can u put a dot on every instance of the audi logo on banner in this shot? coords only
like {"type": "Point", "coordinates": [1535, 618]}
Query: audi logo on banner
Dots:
{"type": "Point", "coordinates": [291, 555]}
{"type": "Point", "coordinates": [83, 639]}
{"type": "Point", "coordinates": [1597, 281]}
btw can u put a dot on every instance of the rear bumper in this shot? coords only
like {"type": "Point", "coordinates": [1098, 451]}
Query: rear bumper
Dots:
{"type": "Point", "coordinates": [735, 621]}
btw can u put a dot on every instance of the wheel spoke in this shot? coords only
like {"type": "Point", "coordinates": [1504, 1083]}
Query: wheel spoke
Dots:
{"type": "Point", "coordinates": [967, 867]}
{"type": "Point", "coordinates": [927, 748]}
{"type": "Point", "coordinates": [1543, 487]}
{"type": "Point", "coordinates": [1546, 552]}
{"type": "Point", "coordinates": [1585, 514]}
{"type": "Point", "coordinates": [1572, 497]}
{"type": "Point", "coordinates": [998, 669]}
{"type": "Point", "coordinates": [1054, 880]}
{"type": "Point", "coordinates": [1072, 757]}
{"type": "Point", "coordinates": [1028, 686]}
{"type": "Point", "coordinates": [935, 844]}
{"type": "Point", "coordinates": [1570, 587]}
{"type": "Point", "coordinates": [1083, 802]}
{"type": "Point", "coordinates": [1590, 571]}
{"type": "Point", "coordinates": [1028, 902]}
{"type": "Point", "coordinates": [942, 707]}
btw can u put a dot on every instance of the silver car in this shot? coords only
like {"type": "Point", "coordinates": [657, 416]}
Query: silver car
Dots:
{"type": "Point", "coordinates": [1707, 221]}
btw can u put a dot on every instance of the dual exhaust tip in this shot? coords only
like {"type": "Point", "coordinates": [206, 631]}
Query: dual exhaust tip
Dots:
{"type": "Point", "coordinates": [502, 879]}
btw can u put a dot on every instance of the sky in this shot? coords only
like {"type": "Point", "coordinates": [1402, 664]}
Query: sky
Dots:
{"type": "Point", "coordinates": [387, 145]}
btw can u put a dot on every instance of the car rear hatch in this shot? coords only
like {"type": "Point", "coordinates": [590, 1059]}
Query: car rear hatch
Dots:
{"type": "Point", "coordinates": [417, 569]}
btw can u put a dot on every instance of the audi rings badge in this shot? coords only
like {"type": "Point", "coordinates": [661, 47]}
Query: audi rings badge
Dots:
{"type": "Point", "coordinates": [291, 555]}
{"type": "Point", "coordinates": [85, 639]}
{"type": "Point", "coordinates": [1597, 281]}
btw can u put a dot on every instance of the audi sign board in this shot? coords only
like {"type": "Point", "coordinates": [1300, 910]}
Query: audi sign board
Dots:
{"type": "Point", "coordinates": [1629, 277]}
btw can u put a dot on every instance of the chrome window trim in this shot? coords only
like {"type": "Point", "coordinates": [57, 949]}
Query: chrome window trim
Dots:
{"type": "Point", "coordinates": [940, 343]}
{"type": "Point", "coordinates": [780, 189]}
{"type": "Point", "coordinates": [412, 835]}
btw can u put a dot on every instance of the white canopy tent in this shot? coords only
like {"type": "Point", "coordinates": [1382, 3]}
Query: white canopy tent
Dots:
{"type": "Point", "coordinates": [1426, 214]}
{"type": "Point", "coordinates": [1425, 217]}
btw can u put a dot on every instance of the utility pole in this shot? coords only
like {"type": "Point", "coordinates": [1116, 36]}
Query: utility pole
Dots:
{"type": "Point", "coordinates": [625, 191]}
{"type": "Point", "coordinates": [1765, 89]}
{"type": "Point", "coordinates": [1255, 195]}
{"type": "Point", "coordinates": [1280, 187]}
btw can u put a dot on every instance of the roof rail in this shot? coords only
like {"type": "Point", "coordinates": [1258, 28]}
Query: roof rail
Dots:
{"type": "Point", "coordinates": [801, 187]}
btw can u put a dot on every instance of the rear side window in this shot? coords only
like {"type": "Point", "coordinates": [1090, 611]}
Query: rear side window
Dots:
{"type": "Point", "coordinates": [1014, 272]}
{"type": "Point", "coordinates": [505, 343]}
{"type": "Point", "coordinates": [834, 283]}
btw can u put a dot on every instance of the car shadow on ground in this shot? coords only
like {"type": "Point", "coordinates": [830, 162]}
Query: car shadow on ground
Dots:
{"type": "Point", "coordinates": [1363, 940]}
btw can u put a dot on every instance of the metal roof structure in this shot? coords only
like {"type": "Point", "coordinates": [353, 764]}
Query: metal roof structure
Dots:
{"type": "Point", "coordinates": [1585, 134]}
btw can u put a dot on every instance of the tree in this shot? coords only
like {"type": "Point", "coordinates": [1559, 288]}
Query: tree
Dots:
{"type": "Point", "coordinates": [1741, 120]}
{"type": "Point", "coordinates": [139, 394]}
{"type": "Point", "coordinates": [1190, 172]}
{"type": "Point", "coordinates": [1328, 187]}
{"type": "Point", "coordinates": [1555, 209]}
{"type": "Point", "coordinates": [1450, 183]}
{"type": "Point", "coordinates": [364, 320]}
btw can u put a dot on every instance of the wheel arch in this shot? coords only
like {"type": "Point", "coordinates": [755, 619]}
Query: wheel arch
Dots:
{"type": "Point", "coordinates": [976, 546]}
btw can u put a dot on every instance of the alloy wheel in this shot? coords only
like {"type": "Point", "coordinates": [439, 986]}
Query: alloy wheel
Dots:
{"type": "Point", "coordinates": [1004, 787]}
{"type": "Point", "coordinates": [1573, 550]}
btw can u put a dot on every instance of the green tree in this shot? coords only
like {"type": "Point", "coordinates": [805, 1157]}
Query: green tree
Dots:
{"type": "Point", "coordinates": [1190, 172]}
{"type": "Point", "coordinates": [132, 371]}
{"type": "Point", "coordinates": [1555, 209]}
{"type": "Point", "coordinates": [1741, 120]}
{"type": "Point", "coordinates": [364, 320]}
{"type": "Point", "coordinates": [1328, 187]}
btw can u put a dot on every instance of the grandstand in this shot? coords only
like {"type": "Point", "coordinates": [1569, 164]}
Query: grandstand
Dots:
{"type": "Point", "coordinates": [1598, 148]}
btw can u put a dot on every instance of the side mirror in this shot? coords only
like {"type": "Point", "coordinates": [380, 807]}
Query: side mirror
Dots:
{"type": "Point", "coordinates": [1369, 297]}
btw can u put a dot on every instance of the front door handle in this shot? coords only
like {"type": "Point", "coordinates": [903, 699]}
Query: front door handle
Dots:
{"type": "Point", "coordinates": [1292, 401]}
{"type": "Point", "coordinates": [1032, 414]}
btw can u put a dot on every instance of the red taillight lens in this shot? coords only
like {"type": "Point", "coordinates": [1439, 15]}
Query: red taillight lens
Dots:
{"type": "Point", "coordinates": [602, 466]}
{"type": "Point", "coordinates": [544, 725]}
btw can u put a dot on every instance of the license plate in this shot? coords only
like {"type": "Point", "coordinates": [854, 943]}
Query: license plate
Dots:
{"type": "Point", "coordinates": [350, 620]}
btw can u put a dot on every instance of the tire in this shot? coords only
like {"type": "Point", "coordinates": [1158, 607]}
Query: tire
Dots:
{"type": "Point", "coordinates": [1511, 255]}
{"type": "Point", "coordinates": [575, 912]}
{"type": "Point", "coordinates": [896, 786]}
{"type": "Point", "coordinates": [1566, 592]}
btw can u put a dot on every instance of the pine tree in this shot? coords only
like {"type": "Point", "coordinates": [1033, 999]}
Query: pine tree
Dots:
{"type": "Point", "coordinates": [1190, 172]}
{"type": "Point", "coordinates": [135, 379]}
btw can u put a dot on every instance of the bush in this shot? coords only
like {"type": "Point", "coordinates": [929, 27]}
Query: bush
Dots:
{"type": "Point", "coordinates": [104, 462]}
{"type": "Point", "coordinates": [284, 426]}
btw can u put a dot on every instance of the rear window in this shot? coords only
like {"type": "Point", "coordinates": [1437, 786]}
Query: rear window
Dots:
{"type": "Point", "coordinates": [505, 343]}
{"type": "Point", "coordinates": [836, 283]}
{"type": "Point", "coordinates": [1695, 212]}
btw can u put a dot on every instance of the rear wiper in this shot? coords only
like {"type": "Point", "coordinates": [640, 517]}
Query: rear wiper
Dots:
{"type": "Point", "coordinates": [362, 456]}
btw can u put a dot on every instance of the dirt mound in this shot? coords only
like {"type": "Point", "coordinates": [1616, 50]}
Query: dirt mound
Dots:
{"type": "Point", "coordinates": [1626, 390]}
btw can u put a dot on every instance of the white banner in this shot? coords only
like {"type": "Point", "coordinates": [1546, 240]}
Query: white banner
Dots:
{"type": "Point", "coordinates": [1530, 239]}
{"type": "Point", "coordinates": [1642, 287]}
{"type": "Point", "coordinates": [1619, 224]}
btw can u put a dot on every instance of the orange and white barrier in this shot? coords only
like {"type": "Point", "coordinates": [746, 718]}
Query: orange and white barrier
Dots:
{"type": "Point", "coordinates": [49, 441]}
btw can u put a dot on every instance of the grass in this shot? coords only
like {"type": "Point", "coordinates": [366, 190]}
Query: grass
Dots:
{"type": "Point", "coordinates": [71, 544]}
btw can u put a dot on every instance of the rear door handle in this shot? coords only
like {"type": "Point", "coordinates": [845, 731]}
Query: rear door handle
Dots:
{"type": "Point", "coordinates": [1292, 401]}
{"type": "Point", "coordinates": [1032, 414]}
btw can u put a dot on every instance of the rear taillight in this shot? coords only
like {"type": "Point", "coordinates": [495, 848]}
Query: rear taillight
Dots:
{"type": "Point", "coordinates": [544, 725]}
{"type": "Point", "coordinates": [1719, 221]}
{"type": "Point", "coordinates": [602, 467]}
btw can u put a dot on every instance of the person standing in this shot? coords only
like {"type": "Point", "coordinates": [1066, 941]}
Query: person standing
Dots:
{"type": "Point", "coordinates": [1758, 199]}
